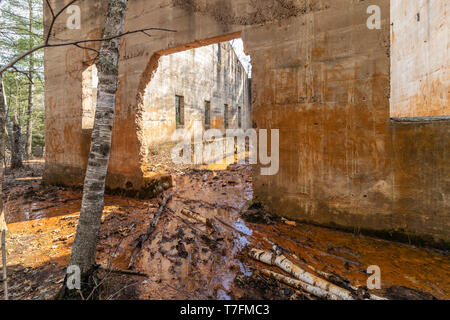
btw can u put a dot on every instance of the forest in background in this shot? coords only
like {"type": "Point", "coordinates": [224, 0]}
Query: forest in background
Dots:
{"type": "Point", "coordinates": [22, 29]}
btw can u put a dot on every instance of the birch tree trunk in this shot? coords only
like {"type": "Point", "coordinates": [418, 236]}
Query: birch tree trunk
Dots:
{"type": "Point", "coordinates": [3, 119]}
{"type": "Point", "coordinates": [3, 227]}
{"type": "Point", "coordinates": [84, 247]}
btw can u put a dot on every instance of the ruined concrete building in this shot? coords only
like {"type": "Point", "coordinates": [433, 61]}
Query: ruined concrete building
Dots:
{"type": "Point", "coordinates": [206, 84]}
{"type": "Point", "coordinates": [363, 112]}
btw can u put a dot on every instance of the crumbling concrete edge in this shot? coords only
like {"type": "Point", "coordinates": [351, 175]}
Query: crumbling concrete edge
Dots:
{"type": "Point", "coordinates": [395, 234]}
{"type": "Point", "coordinates": [142, 186]}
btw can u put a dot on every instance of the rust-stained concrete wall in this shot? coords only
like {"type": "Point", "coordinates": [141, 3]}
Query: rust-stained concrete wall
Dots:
{"type": "Point", "coordinates": [421, 169]}
{"type": "Point", "coordinates": [325, 84]}
{"type": "Point", "coordinates": [319, 75]}
{"type": "Point", "coordinates": [420, 58]}
{"type": "Point", "coordinates": [212, 73]}
{"type": "Point", "coordinates": [197, 24]}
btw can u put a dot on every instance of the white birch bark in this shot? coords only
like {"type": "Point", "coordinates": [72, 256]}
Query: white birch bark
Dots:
{"type": "Point", "coordinates": [3, 227]}
{"type": "Point", "coordinates": [285, 264]}
{"type": "Point", "coordinates": [316, 291]}
{"type": "Point", "coordinates": [84, 248]}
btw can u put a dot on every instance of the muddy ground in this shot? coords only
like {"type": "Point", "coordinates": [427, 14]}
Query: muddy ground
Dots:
{"type": "Point", "coordinates": [199, 247]}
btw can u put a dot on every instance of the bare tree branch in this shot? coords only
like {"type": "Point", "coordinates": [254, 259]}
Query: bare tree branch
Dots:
{"type": "Point", "coordinates": [23, 55]}
{"type": "Point", "coordinates": [77, 43]}
{"type": "Point", "coordinates": [50, 7]}
{"type": "Point", "coordinates": [54, 17]}
{"type": "Point", "coordinates": [24, 73]}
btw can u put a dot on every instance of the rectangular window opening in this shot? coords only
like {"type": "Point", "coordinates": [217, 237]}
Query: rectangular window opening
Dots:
{"type": "Point", "coordinates": [225, 116]}
{"type": "Point", "coordinates": [240, 117]}
{"type": "Point", "coordinates": [207, 114]}
{"type": "Point", "coordinates": [179, 107]}
{"type": "Point", "coordinates": [89, 97]}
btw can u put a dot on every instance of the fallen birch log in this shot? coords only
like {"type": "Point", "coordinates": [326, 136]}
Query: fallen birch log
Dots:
{"type": "Point", "coordinates": [283, 263]}
{"type": "Point", "coordinates": [315, 291]}
{"type": "Point", "coordinates": [344, 282]}
{"type": "Point", "coordinates": [336, 280]}
{"type": "Point", "coordinates": [375, 297]}
{"type": "Point", "coordinates": [278, 250]}
{"type": "Point", "coordinates": [195, 216]}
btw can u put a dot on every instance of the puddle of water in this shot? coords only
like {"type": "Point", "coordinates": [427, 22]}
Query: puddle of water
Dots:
{"type": "Point", "coordinates": [225, 163]}
{"type": "Point", "coordinates": [240, 225]}
{"type": "Point", "coordinates": [25, 210]}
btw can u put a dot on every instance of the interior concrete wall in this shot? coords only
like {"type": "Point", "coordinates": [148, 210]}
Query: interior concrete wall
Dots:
{"type": "Point", "coordinates": [324, 82]}
{"type": "Point", "coordinates": [421, 174]}
{"type": "Point", "coordinates": [420, 53]}
{"type": "Point", "coordinates": [212, 73]}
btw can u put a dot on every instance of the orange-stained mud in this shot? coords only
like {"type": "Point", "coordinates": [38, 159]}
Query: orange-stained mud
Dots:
{"type": "Point", "coordinates": [186, 259]}
{"type": "Point", "coordinates": [349, 256]}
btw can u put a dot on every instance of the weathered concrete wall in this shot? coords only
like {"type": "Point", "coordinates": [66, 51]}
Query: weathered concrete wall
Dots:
{"type": "Point", "coordinates": [197, 24]}
{"type": "Point", "coordinates": [319, 75]}
{"type": "Point", "coordinates": [421, 169]}
{"type": "Point", "coordinates": [212, 73]}
{"type": "Point", "coordinates": [420, 53]}
{"type": "Point", "coordinates": [325, 84]}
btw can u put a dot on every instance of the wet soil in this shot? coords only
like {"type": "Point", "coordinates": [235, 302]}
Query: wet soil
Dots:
{"type": "Point", "coordinates": [199, 247]}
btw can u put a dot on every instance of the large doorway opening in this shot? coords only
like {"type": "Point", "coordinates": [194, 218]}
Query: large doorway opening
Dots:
{"type": "Point", "coordinates": [202, 88]}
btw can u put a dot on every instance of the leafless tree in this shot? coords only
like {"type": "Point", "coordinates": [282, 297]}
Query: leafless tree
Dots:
{"type": "Point", "coordinates": [83, 252]}
{"type": "Point", "coordinates": [84, 247]}
{"type": "Point", "coordinates": [3, 227]}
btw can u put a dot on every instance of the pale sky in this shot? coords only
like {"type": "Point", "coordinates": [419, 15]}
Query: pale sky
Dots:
{"type": "Point", "coordinates": [238, 47]}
